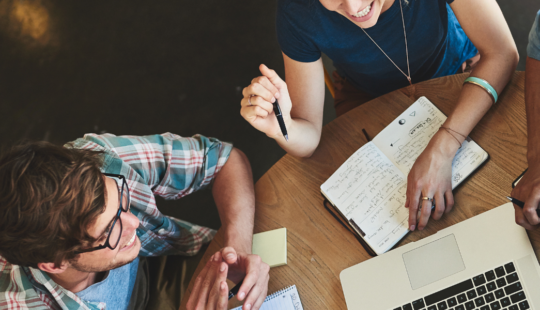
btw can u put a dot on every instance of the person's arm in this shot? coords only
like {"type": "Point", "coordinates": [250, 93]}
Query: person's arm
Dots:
{"type": "Point", "coordinates": [528, 188]}
{"type": "Point", "coordinates": [484, 24]}
{"type": "Point", "coordinates": [235, 200]}
{"type": "Point", "coordinates": [303, 92]}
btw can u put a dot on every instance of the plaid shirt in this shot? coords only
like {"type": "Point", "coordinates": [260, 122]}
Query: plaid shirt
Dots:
{"type": "Point", "coordinates": [166, 165]}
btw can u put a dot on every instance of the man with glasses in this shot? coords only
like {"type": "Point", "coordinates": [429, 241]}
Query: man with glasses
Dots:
{"type": "Point", "coordinates": [80, 229]}
{"type": "Point", "coordinates": [528, 188]}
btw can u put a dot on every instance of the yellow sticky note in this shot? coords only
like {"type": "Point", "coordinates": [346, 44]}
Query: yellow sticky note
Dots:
{"type": "Point", "coordinates": [271, 246]}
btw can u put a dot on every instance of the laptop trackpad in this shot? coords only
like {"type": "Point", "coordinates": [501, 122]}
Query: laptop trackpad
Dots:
{"type": "Point", "coordinates": [433, 261]}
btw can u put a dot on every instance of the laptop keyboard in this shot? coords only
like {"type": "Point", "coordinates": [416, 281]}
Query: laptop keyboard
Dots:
{"type": "Point", "coordinates": [497, 289]}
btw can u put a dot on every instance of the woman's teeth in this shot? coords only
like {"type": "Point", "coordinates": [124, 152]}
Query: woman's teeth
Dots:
{"type": "Point", "coordinates": [364, 12]}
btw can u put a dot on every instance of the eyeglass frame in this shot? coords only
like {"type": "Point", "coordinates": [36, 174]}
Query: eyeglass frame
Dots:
{"type": "Point", "coordinates": [107, 243]}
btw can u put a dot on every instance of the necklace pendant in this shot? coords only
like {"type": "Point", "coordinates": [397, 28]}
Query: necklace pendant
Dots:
{"type": "Point", "coordinates": [410, 81]}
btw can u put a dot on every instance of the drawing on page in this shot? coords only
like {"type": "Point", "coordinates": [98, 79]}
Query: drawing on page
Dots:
{"type": "Point", "coordinates": [413, 113]}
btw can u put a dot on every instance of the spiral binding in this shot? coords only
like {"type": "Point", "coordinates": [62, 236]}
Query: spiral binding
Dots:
{"type": "Point", "coordinates": [279, 293]}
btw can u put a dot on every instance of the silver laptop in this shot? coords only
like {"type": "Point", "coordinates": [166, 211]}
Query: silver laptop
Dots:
{"type": "Point", "coordinates": [486, 263]}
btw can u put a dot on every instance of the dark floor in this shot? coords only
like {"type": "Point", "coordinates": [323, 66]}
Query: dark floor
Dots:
{"type": "Point", "coordinates": [133, 67]}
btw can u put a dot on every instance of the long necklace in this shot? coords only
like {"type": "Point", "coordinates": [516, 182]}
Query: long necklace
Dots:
{"type": "Point", "coordinates": [406, 48]}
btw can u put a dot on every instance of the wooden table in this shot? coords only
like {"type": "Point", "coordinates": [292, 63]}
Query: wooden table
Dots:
{"type": "Point", "coordinates": [319, 248]}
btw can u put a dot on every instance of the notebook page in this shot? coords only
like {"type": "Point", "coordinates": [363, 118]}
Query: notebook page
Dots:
{"type": "Point", "coordinates": [370, 191]}
{"type": "Point", "coordinates": [409, 134]}
{"type": "Point", "coordinates": [285, 299]}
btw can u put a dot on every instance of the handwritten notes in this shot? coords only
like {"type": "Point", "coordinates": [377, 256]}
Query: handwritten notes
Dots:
{"type": "Point", "coordinates": [369, 189]}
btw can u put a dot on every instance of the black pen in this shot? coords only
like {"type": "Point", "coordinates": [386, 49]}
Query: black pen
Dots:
{"type": "Point", "coordinates": [277, 111]}
{"type": "Point", "coordinates": [520, 204]}
{"type": "Point", "coordinates": [235, 289]}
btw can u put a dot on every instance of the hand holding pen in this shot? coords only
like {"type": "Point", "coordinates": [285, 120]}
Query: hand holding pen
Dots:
{"type": "Point", "coordinates": [260, 102]}
{"type": "Point", "coordinates": [526, 198]}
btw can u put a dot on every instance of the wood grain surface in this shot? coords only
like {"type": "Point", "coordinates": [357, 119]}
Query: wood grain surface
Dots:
{"type": "Point", "coordinates": [319, 248]}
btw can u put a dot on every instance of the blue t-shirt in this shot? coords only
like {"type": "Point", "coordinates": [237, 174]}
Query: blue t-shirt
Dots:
{"type": "Point", "coordinates": [437, 44]}
{"type": "Point", "coordinates": [533, 49]}
{"type": "Point", "coordinates": [116, 289]}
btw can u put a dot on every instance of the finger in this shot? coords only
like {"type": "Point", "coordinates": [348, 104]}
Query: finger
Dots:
{"type": "Point", "coordinates": [262, 297]}
{"type": "Point", "coordinates": [208, 281]}
{"type": "Point", "coordinates": [213, 297]}
{"type": "Point", "coordinates": [193, 298]}
{"type": "Point", "coordinates": [258, 90]}
{"type": "Point", "coordinates": [425, 213]}
{"type": "Point", "coordinates": [251, 113]}
{"type": "Point", "coordinates": [265, 82]}
{"type": "Point", "coordinates": [223, 299]}
{"type": "Point", "coordinates": [520, 219]}
{"type": "Point", "coordinates": [253, 263]}
{"type": "Point", "coordinates": [449, 200]}
{"type": "Point", "coordinates": [439, 206]}
{"type": "Point", "coordinates": [259, 288]}
{"type": "Point", "coordinates": [413, 199]}
{"type": "Point", "coordinates": [257, 101]}
{"type": "Point", "coordinates": [274, 79]}
{"type": "Point", "coordinates": [229, 255]}
{"type": "Point", "coordinates": [531, 205]}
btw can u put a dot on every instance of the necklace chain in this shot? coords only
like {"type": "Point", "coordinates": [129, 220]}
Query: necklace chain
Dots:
{"type": "Point", "coordinates": [406, 47]}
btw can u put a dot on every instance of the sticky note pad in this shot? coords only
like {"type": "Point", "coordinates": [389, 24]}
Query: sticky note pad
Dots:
{"type": "Point", "coordinates": [271, 246]}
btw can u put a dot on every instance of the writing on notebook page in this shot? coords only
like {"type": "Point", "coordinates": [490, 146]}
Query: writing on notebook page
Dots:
{"type": "Point", "coordinates": [370, 190]}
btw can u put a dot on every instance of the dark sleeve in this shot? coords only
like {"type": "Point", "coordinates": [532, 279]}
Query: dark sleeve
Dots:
{"type": "Point", "coordinates": [292, 27]}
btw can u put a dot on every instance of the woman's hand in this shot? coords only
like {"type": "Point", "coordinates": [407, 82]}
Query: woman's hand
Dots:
{"type": "Point", "coordinates": [431, 176]}
{"type": "Point", "coordinates": [528, 191]}
{"type": "Point", "coordinates": [257, 104]}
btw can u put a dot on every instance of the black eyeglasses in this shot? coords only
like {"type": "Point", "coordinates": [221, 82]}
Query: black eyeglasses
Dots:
{"type": "Point", "coordinates": [113, 236]}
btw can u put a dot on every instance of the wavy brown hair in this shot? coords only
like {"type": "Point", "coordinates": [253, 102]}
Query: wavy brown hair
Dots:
{"type": "Point", "coordinates": [49, 197]}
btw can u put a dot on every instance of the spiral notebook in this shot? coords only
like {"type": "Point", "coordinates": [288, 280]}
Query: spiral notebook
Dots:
{"type": "Point", "coordinates": [369, 189]}
{"type": "Point", "coordinates": [285, 299]}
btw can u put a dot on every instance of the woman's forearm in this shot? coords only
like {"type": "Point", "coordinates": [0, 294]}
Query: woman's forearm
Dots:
{"type": "Point", "coordinates": [303, 140]}
{"type": "Point", "coordinates": [474, 101]}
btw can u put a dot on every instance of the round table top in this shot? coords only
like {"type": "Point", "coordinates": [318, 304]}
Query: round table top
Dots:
{"type": "Point", "coordinates": [318, 246]}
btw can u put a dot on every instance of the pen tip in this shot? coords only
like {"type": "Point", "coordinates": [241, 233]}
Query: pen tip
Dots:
{"type": "Point", "coordinates": [287, 137]}
{"type": "Point", "coordinates": [509, 198]}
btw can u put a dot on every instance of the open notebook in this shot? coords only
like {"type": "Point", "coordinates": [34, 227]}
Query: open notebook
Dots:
{"type": "Point", "coordinates": [369, 189]}
{"type": "Point", "coordinates": [285, 299]}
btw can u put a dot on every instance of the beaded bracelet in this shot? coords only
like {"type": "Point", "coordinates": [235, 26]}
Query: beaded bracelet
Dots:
{"type": "Point", "coordinates": [485, 85]}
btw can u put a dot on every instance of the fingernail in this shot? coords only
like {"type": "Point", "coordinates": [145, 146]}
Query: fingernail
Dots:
{"type": "Point", "coordinates": [230, 256]}
{"type": "Point", "coordinates": [412, 227]}
{"type": "Point", "coordinates": [241, 295]}
{"type": "Point", "coordinates": [277, 95]}
{"type": "Point", "coordinates": [216, 257]}
{"type": "Point", "coordinates": [222, 268]}
{"type": "Point", "coordinates": [248, 306]}
{"type": "Point", "coordinates": [273, 99]}
{"type": "Point", "coordinates": [223, 286]}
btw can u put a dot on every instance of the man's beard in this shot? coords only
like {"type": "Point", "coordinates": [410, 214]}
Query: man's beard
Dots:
{"type": "Point", "coordinates": [85, 268]}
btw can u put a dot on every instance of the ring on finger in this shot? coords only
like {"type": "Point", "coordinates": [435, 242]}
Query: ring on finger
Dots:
{"type": "Point", "coordinates": [249, 99]}
{"type": "Point", "coordinates": [427, 198]}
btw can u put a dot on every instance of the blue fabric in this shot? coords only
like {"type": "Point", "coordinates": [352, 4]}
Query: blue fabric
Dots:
{"type": "Point", "coordinates": [437, 43]}
{"type": "Point", "coordinates": [533, 49]}
{"type": "Point", "coordinates": [115, 290]}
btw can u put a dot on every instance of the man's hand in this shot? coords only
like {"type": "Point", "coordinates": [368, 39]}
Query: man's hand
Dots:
{"type": "Point", "coordinates": [528, 191]}
{"type": "Point", "coordinates": [210, 291]}
{"type": "Point", "coordinates": [254, 272]}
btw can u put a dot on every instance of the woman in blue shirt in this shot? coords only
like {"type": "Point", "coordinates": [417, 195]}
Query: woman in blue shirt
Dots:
{"type": "Point", "coordinates": [379, 46]}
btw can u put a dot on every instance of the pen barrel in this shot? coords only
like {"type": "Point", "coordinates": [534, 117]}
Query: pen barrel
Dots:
{"type": "Point", "coordinates": [279, 116]}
